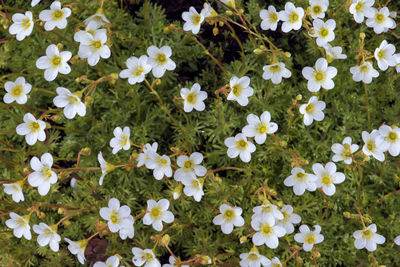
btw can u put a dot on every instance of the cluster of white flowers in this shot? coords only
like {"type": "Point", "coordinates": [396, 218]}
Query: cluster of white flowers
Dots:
{"type": "Point", "coordinates": [193, 19]}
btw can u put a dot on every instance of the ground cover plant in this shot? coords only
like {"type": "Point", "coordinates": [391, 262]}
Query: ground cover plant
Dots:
{"type": "Point", "coordinates": [199, 133]}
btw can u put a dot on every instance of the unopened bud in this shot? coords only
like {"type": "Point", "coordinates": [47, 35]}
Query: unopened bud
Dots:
{"type": "Point", "coordinates": [362, 35]}
{"type": "Point", "coordinates": [272, 192]}
{"type": "Point", "coordinates": [316, 254]}
{"type": "Point", "coordinates": [283, 143]}
{"type": "Point", "coordinates": [243, 239]}
{"type": "Point", "coordinates": [41, 214]}
{"type": "Point", "coordinates": [257, 51]}
{"type": "Point", "coordinates": [133, 156]}
{"type": "Point", "coordinates": [74, 59]}
{"type": "Point", "coordinates": [218, 179]}
{"type": "Point", "coordinates": [48, 125]}
{"type": "Point", "coordinates": [215, 31]}
{"type": "Point", "coordinates": [299, 97]}
{"type": "Point", "coordinates": [221, 23]}
{"type": "Point", "coordinates": [299, 260]}
{"type": "Point", "coordinates": [347, 214]}
{"type": "Point", "coordinates": [60, 211]}
{"type": "Point", "coordinates": [166, 30]}
{"type": "Point", "coordinates": [287, 54]}
{"type": "Point", "coordinates": [165, 240]}
{"type": "Point", "coordinates": [88, 100]}
{"type": "Point", "coordinates": [157, 82]}
{"type": "Point", "coordinates": [229, 13]}
{"type": "Point", "coordinates": [85, 151]}
{"type": "Point", "coordinates": [312, 32]}
{"type": "Point", "coordinates": [55, 117]}
{"type": "Point", "coordinates": [205, 260]}
{"type": "Point", "coordinates": [66, 223]}
{"type": "Point", "coordinates": [60, 46]}
{"type": "Point", "coordinates": [114, 77]}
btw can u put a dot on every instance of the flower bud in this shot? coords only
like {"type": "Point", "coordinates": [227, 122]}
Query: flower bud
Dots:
{"type": "Point", "coordinates": [88, 100]}
{"type": "Point", "coordinates": [243, 239]}
{"type": "Point", "coordinates": [299, 97]}
{"type": "Point", "coordinates": [229, 13]}
{"type": "Point", "coordinates": [165, 240]}
{"type": "Point", "coordinates": [215, 31]}
{"type": "Point", "coordinates": [287, 54]}
{"type": "Point", "coordinates": [347, 214]}
{"type": "Point", "coordinates": [362, 35]}
{"type": "Point", "coordinates": [257, 51]}
{"type": "Point", "coordinates": [221, 23]}
{"type": "Point", "coordinates": [85, 151]}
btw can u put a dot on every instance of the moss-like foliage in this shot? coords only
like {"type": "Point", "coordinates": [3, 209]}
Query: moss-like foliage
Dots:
{"type": "Point", "coordinates": [351, 107]}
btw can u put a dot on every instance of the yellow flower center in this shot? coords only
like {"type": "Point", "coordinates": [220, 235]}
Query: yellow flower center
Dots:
{"type": "Point", "coordinates": [379, 18]}
{"type": "Point", "coordinates": [90, 31]}
{"type": "Point", "coordinates": [262, 128]}
{"type": "Point", "coordinates": [266, 229]}
{"type": "Point", "coordinates": [58, 14]}
{"type": "Point", "coordinates": [367, 234]}
{"type": "Point", "coordinates": [310, 238]}
{"type": "Point", "coordinates": [252, 256]}
{"type": "Point", "coordinates": [17, 90]}
{"type": "Point", "coordinates": [147, 256]}
{"type": "Point", "coordinates": [26, 23]}
{"type": "Point", "coordinates": [267, 209]}
{"type": "Point", "coordinates": [360, 6]}
{"type": "Point", "coordinates": [237, 90]}
{"type": "Point", "coordinates": [275, 265]}
{"type": "Point", "coordinates": [15, 187]}
{"type": "Point", "coordinates": [319, 76]}
{"type": "Point", "coordinates": [161, 58]}
{"type": "Point", "coordinates": [381, 54]}
{"type": "Point", "coordinates": [46, 172]}
{"type": "Point", "coordinates": [124, 140]}
{"type": "Point", "coordinates": [138, 71]}
{"type": "Point", "coordinates": [156, 213]}
{"type": "Point", "coordinates": [56, 61]}
{"type": "Point", "coordinates": [241, 144]}
{"type": "Point", "coordinates": [364, 68]}
{"type": "Point", "coordinates": [346, 152]}
{"type": "Point", "coordinates": [191, 98]}
{"type": "Point", "coordinates": [300, 176]}
{"type": "Point", "coordinates": [317, 9]}
{"type": "Point", "coordinates": [326, 180]}
{"type": "Point", "coordinates": [310, 108]}
{"type": "Point", "coordinates": [229, 215]}
{"type": "Point", "coordinates": [275, 68]}
{"type": "Point", "coordinates": [195, 184]}
{"type": "Point", "coordinates": [196, 19]}
{"type": "Point", "coordinates": [273, 17]}
{"type": "Point", "coordinates": [73, 99]}
{"type": "Point", "coordinates": [96, 44]}
{"type": "Point", "coordinates": [293, 17]}
{"type": "Point", "coordinates": [371, 145]}
{"type": "Point", "coordinates": [34, 126]}
{"type": "Point", "coordinates": [114, 217]}
{"type": "Point", "coordinates": [324, 32]}
{"type": "Point", "coordinates": [162, 162]}
{"type": "Point", "coordinates": [286, 216]}
{"type": "Point", "coordinates": [392, 137]}
{"type": "Point", "coordinates": [188, 164]}
{"type": "Point", "coordinates": [21, 222]}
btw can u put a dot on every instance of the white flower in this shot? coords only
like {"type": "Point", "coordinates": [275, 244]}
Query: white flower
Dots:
{"type": "Point", "coordinates": [173, 263]}
{"type": "Point", "coordinates": [228, 218]}
{"type": "Point", "coordinates": [105, 167]}
{"type": "Point", "coordinates": [22, 26]}
{"type": "Point", "coordinates": [384, 55]}
{"type": "Point", "coordinates": [159, 59]}
{"type": "Point", "coordinates": [291, 17]}
{"type": "Point", "coordinates": [99, 18]}
{"type": "Point", "coordinates": [137, 69]}
{"type": "Point", "coordinates": [16, 91]}
{"type": "Point", "coordinates": [35, 2]}
{"type": "Point", "coordinates": [78, 248]}
{"type": "Point", "coordinates": [344, 152]}
{"type": "Point", "coordinates": [93, 47]}
{"type": "Point", "coordinates": [189, 167]}
{"type": "Point", "coordinates": [267, 213]}
{"type": "Point", "coordinates": [270, 18]}
{"type": "Point", "coordinates": [380, 20]}
{"type": "Point", "coordinates": [361, 9]}
{"type": "Point", "coordinates": [192, 20]}
{"type": "Point", "coordinates": [327, 177]}
{"type": "Point", "coordinates": [313, 110]}
{"type": "Point", "coordinates": [144, 256]}
{"type": "Point", "coordinates": [54, 62]}
{"type": "Point", "coordinates": [276, 72]}
{"type": "Point", "coordinates": [193, 98]}
{"type": "Point", "coordinates": [267, 233]}
{"type": "Point", "coordinates": [240, 90]}
{"type": "Point", "coordinates": [161, 166]}
{"type": "Point", "coordinates": [193, 187]}
{"type": "Point", "coordinates": [127, 229]}
{"type": "Point", "coordinates": [300, 180]}
{"type": "Point", "coordinates": [259, 127]}
{"type": "Point", "coordinates": [253, 259]}
{"type": "Point", "coordinates": [319, 76]}
{"type": "Point", "coordinates": [324, 31]}
{"type": "Point", "coordinates": [397, 240]}
{"type": "Point", "coordinates": [208, 11]}
{"type": "Point", "coordinates": [15, 190]}
{"type": "Point", "coordinates": [289, 218]}
{"type": "Point", "coordinates": [309, 238]}
{"type": "Point", "coordinates": [157, 212]}
{"type": "Point", "coordinates": [91, 28]}
{"type": "Point", "coordinates": [120, 139]}
{"type": "Point", "coordinates": [71, 102]}
{"type": "Point", "coordinates": [334, 52]}
{"type": "Point", "coordinates": [390, 138]}
{"type": "Point", "coordinates": [47, 236]}
{"type": "Point", "coordinates": [116, 215]}
{"type": "Point", "coordinates": [368, 238]}
{"type": "Point", "coordinates": [55, 16]}
{"type": "Point", "coordinates": [364, 72]}
{"type": "Point", "coordinates": [43, 176]}
{"type": "Point", "coordinates": [230, 3]}
{"type": "Point", "coordinates": [148, 151]}
{"type": "Point", "coordinates": [20, 225]}
{"type": "Point", "coordinates": [318, 8]}
{"type": "Point", "coordinates": [372, 145]}
{"type": "Point", "coordinates": [112, 261]}
{"type": "Point", "coordinates": [32, 129]}
{"type": "Point", "coordinates": [239, 146]}
{"type": "Point", "coordinates": [275, 262]}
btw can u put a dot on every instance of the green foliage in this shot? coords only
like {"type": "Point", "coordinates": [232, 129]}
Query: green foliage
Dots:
{"type": "Point", "coordinates": [116, 103]}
